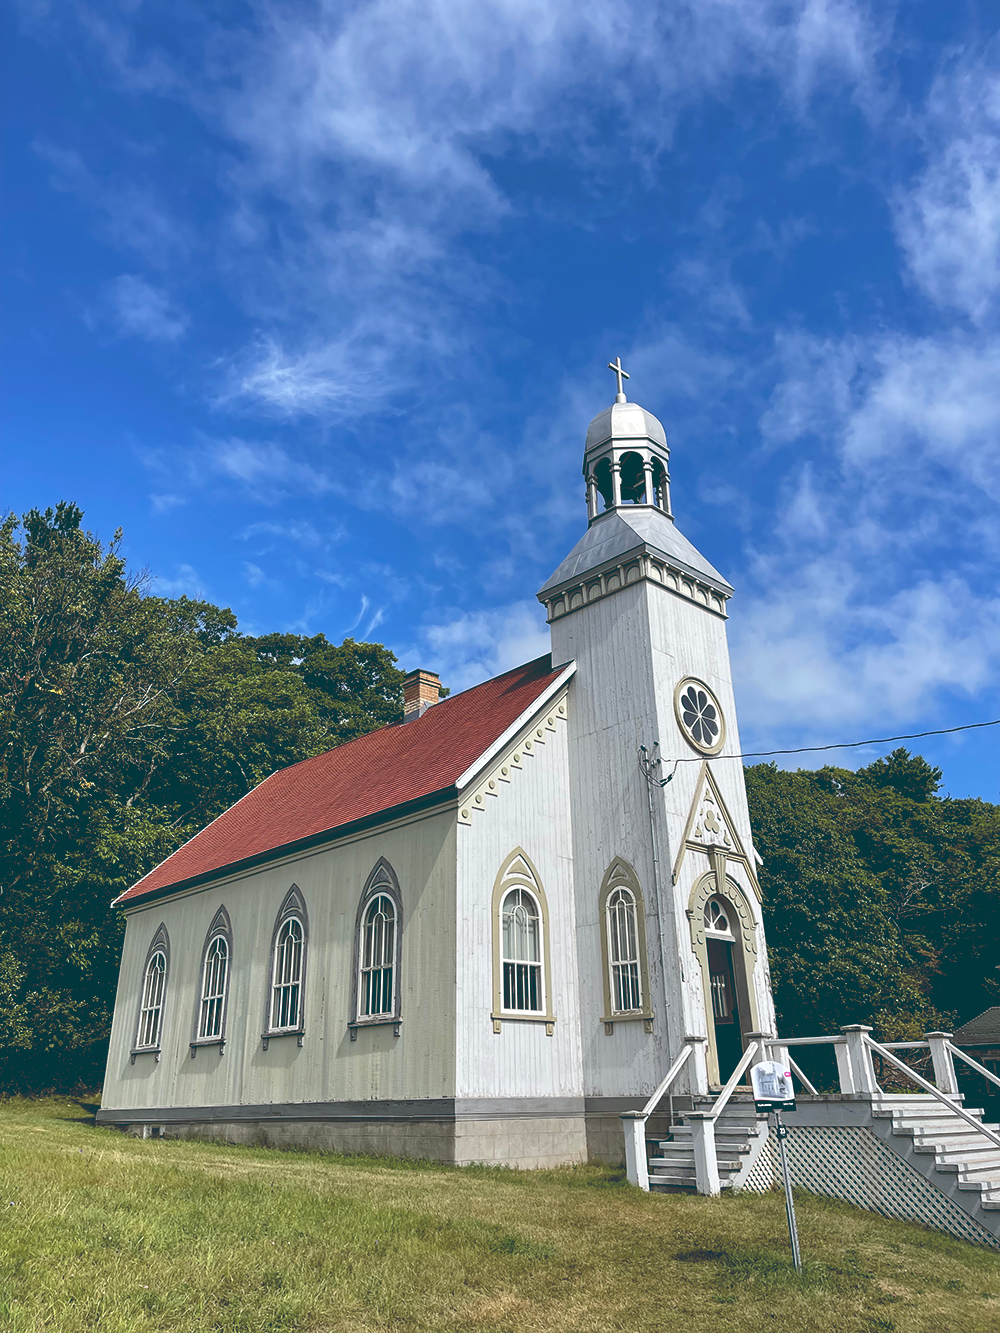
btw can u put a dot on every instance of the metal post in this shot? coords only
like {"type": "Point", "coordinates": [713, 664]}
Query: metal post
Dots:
{"type": "Point", "coordinates": [636, 1162]}
{"type": "Point", "coordinates": [793, 1231]}
{"type": "Point", "coordinates": [944, 1063]}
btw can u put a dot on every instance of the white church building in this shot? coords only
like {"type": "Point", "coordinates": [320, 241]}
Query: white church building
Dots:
{"type": "Point", "coordinates": [483, 933]}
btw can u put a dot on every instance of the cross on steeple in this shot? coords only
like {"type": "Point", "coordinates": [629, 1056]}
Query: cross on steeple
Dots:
{"type": "Point", "coordinates": [616, 366]}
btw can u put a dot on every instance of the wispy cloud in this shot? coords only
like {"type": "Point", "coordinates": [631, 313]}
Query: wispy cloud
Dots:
{"type": "Point", "coordinates": [469, 647]}
{"type": "Point", "coordinates": [949, 219]}
{"type": "Point", "coordinates": [136, 308]}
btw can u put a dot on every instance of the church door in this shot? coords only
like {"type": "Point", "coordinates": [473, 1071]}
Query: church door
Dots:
{"type": "Point", "coordinates": [725, 1007]}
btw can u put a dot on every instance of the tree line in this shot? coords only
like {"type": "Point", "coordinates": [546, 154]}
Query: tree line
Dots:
{"type": "Point", "coordinates": [128, 721]}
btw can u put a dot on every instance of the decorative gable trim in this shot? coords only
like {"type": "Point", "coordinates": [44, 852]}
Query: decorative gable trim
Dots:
{"type": "Point", "coordinates": [711, 830]}
{"type": "Point", "coordinates": [615, 575]}
{"type": "Point", "coordinates": [511, 761]}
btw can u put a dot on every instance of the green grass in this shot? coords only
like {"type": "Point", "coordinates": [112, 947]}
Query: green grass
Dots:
{"type": "Point", "coordinates": [105, 1232]}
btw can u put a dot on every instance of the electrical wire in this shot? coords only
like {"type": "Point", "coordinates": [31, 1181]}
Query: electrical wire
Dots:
{"type": "Point", "coordinates": [841, 745]}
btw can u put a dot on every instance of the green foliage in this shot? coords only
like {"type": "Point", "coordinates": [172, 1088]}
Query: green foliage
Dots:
{"type": "Point", "coordinates": [881, 899]}
{"type": "Point", "coordinates": [128, 721]}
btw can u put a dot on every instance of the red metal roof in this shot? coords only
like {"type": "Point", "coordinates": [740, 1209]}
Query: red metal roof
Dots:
{"type": "Point", "coordinates": [385, 769]}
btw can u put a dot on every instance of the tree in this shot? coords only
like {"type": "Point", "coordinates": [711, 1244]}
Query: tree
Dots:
{"type": "Point", "coordinates": [881, 899]}
{"type": "Point", "coordinates": [128, 722]}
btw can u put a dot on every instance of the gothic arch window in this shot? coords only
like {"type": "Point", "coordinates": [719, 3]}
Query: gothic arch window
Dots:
{"type": "Point", "coordinates": [624, 959]}
{"type": "Point", "coordinates": [285, 1014]}
{"type": "Point", "coordinates": [522, 970]}
{"type": "Point", "coordinates": [378, 945]}
{"type": "Point", "coordinates": [719, 918]}
{"type": "Point", "coordinates": [213, 992]}
{"type": "Point", "coordinates": [152, 996]}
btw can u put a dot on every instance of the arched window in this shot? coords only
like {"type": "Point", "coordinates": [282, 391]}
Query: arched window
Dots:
{"type": "Point", "coordinates": [623, 952]}
{"type": "Point", "coordinates": [213, 987]}
{"type": "Point", "coordinates": [717, 918]}
{"type": "Point", "coordinates": [522, 953]}
{"type": "Point", "coordinates": [378, 956]}
{"type": "Point", "coordinates": [286, 1001]}
{"type": "Point", "coordinates": [623, 948]}
{"type": "Point", "coordinates": [213, 990]}
{"type": "Point", "coordinates": [286, 986]}
{"type": "Point", "coordinates": [522, 971]}
{"type": "Point", "coordinates": [375, 993]}
{"type": "Point", "coordinates": [149, 1028]}
{"type": "Point", "coordinates": [151, 1014]}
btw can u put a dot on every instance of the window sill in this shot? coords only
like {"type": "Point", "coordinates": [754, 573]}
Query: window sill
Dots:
{"type": "Point", "coordinates": [282, 1032]}
{"type": "Point", "coordinates": [145, 1050]}
{"type": "Point", "coordinates": [504, 1017]}
{"type": "Point", "coordinates": [379, 1022]}
{"type": "Point", "coordinates": [200, 1042]}
{"type": "Point", "coordinates": [645, 1017]}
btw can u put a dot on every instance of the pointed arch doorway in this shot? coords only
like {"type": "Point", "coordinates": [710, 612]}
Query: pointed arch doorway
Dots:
{"type": "Point", "coordinates": [725, 944]}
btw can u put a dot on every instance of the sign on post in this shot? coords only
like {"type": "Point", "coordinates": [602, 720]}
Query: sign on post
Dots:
{"type": "Point", "coordinates": [773, 1092]}
{"type": "Point", "coordinates": [772, 1087]}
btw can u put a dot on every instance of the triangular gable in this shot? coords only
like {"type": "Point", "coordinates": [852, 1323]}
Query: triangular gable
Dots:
{"type": "Point", "coordinates": [711, 828]}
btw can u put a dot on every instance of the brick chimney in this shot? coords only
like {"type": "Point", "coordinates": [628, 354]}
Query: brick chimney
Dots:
{"type": "Point", "coordinates": [421, 690]}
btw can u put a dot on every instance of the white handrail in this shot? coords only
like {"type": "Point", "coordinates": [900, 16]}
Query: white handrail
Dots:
{"type": "Point", "coordinates": [922, 1082]}
{"type": "Point", "coordinates": [668, 1078]}
{"type": "Point", "coordinates": [974, 1063]}
{"type": "Point", "coordinates": [734, 1078]}
{"type": "Point", "coordinates": [905, 1045]}
{"type": "Point", "coordinates": [801, 1077]}
{"type": "Point", "coordinates": [808, 1041]}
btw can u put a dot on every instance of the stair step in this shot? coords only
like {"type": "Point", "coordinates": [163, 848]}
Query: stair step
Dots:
{"type": "Point", "coordinates": [682, 1163]}
{"type": "Point", "coordinates": [985, 1154]}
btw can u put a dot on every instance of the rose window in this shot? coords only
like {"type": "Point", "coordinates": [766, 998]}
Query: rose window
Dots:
{"type": "Point", "coordinates": [700, 716]}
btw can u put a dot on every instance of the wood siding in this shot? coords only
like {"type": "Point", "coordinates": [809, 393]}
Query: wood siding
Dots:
{"type": "Point", "coordinates": [328, 1066]}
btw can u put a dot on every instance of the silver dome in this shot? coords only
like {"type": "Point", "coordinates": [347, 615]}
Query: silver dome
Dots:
{"type": "Point", "coordinates": [624, 421]}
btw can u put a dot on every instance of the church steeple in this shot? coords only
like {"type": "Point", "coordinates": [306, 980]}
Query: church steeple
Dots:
{"type": "Point", "coordinates": [625, 459]}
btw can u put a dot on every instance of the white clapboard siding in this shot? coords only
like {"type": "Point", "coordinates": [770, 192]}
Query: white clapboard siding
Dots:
{"type": "Point", "coordinates": [328, 1066]}
{"type": "Point", "coordinates": [530, 811]}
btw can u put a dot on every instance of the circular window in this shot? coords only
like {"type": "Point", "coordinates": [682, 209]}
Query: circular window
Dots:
{"type": "Point", "coordinates": [699, 716]}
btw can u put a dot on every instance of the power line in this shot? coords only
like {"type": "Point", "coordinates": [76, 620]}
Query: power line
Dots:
{"type": "Point", "coordinates": [842, 745]}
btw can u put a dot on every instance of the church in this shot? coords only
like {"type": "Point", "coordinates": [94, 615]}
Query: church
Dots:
{"type": "Point", "coordinates": [485, 932]}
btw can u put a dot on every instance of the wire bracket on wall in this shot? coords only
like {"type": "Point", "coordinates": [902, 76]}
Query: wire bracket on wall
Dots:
{"type": "Point", "coordinates": [651, 764]}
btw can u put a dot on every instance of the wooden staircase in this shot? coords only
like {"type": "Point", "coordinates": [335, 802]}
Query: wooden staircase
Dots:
{"type": "Point", "coordinates": [953, 1144]}
{"type": "Point", "coordinates": [740, 1136]}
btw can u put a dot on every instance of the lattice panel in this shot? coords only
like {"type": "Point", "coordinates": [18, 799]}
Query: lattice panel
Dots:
{"type": "Point", "coordinates": [851, 1163]}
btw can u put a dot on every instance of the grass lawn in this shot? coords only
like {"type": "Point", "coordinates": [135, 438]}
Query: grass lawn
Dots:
{"type": "Point", "coordinates": [106, 1232]}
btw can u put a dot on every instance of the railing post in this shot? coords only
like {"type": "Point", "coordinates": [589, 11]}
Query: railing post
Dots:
{"type": "Point", "coordinates": [636, 1161]}
{"type": "Point", "coordinates": [844, 1070]}
{"type": "Point", "coordinates": [698, 1077]}
{"type": "Point", "coordinates": [706, 1162]}
{"type": "Point", "coordinates": [943, 1061]}
{"type": "Point", "coordinates": [862, 1066]}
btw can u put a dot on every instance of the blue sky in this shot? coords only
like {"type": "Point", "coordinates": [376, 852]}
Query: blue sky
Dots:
{"type": "Point", "coordinates": [315, 301]}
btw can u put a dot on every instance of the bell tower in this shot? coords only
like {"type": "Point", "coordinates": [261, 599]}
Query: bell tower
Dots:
{"type": "Point", "coordinates": [657, 791]}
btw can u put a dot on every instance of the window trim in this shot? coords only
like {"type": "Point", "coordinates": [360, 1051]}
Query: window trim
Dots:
{"type": "Point", "coordinates": [159, 944]}
{"type": "Point", "coordinates": [221, 927]}
{"type": "Point", "coordinates": [518, 871]}
{"type": "Point", "coordinates": [293, 905]}
{"type": "Point", "coordinates": [381, 882]}
{"type": "Point", "coordinates": [621, 875]}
